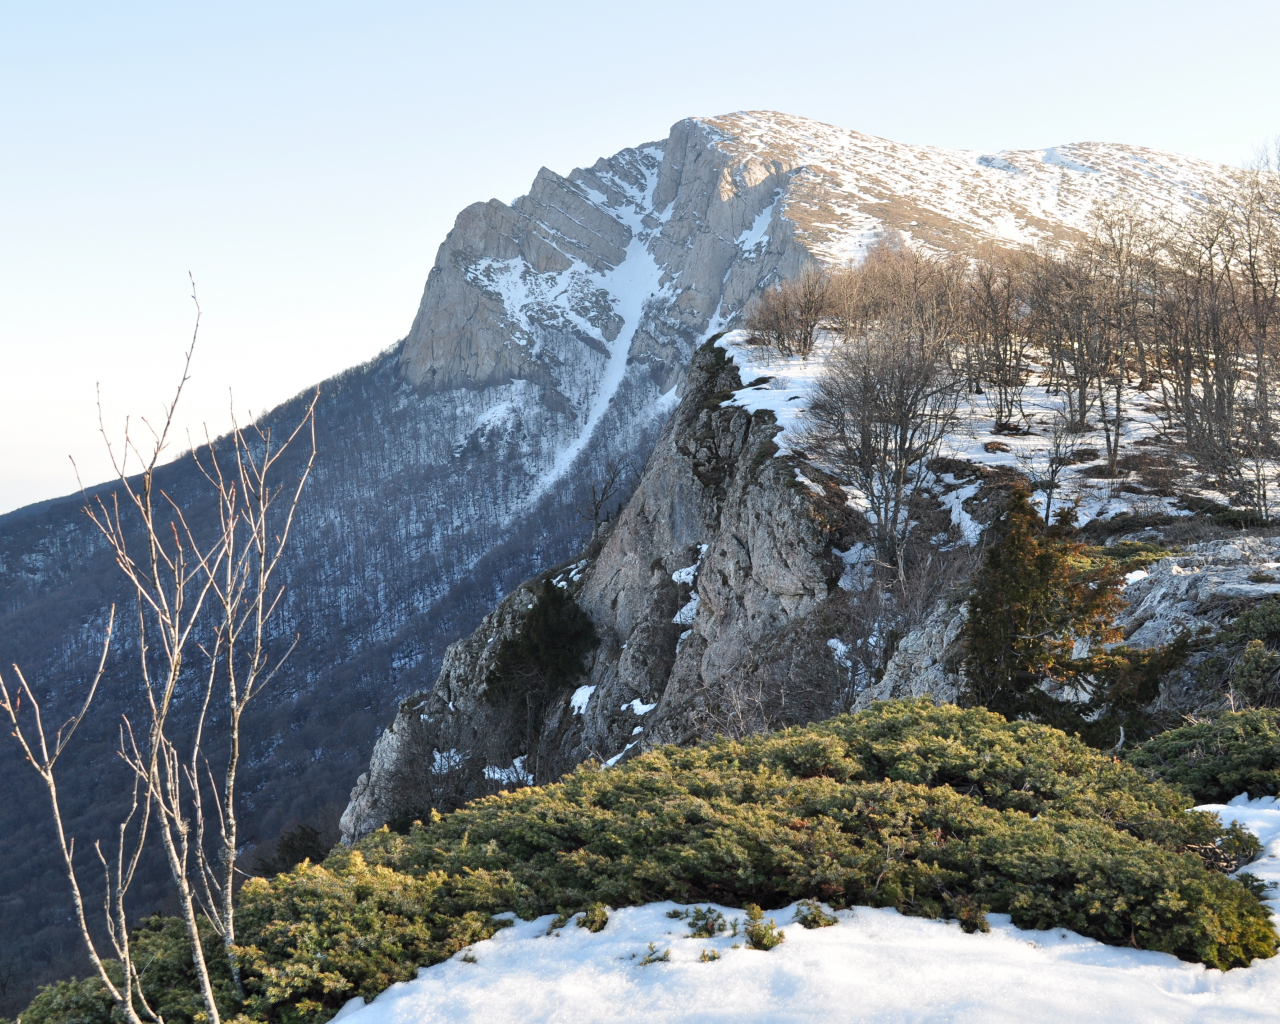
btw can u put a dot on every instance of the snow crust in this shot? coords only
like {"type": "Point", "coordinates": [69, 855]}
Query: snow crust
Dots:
{"type": "Point", "coordinates": [874, 966]}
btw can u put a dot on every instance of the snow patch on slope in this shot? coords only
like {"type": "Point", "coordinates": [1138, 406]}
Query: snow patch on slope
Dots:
{"type": "Point", "coordinates": [792, 380]}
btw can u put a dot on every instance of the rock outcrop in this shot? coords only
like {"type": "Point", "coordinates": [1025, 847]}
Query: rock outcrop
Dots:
{"type": "Point", "coordinates": [721, 601]}
{"type": "Point", "coordinates": [1193, 592]}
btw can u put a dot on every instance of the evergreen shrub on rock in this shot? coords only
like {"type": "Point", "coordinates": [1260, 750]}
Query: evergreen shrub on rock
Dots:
{"type": "Point", "coordinates": [538, 665]}
{"type": "Point", "coordinates": [937, 811]}
{"type": "Point", "coordinates": [1218, 759]}
{"type": "Point", "coordinates": [1243, 658]}
{"type": "Point", "coordinates": [1039, 593]}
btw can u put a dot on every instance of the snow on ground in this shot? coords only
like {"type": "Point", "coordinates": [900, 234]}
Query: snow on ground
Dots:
{"type": "Point", "coordinates": [873, 966]}
{"type": "Point", "coordinates": [1262, 818]}
{"type": "Point", "coordinates": [843, 182]}
{"type": "Point", "coordinates": [791, 381]}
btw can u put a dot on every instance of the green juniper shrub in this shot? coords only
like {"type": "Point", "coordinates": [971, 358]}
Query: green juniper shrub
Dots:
{"type": "Point", "coordinates": [1216, 760]}
{"type": "Point", "coordinates": [704, 922]}
{"type": "Point", "coordinates": [1243, 657]}
{"type": "Point", "coordinates": [1037, 593]}
{"type": "Point", "coordinates": [162, 950]}
{"type": "Point", "coordinates": [316, 936]}
{"type": "Point", "coordinates": [594, 918]}
{"type": "Point", "coordinates": [1128, 555]}
{"type": "Point", "coordinates": [809, 914]}
{"type": "Point", "coordinates": [558, 922]}
{"type": "Point", "coordinates": [78, 1001]}
{"type": "Point", "coordinates": [654, 957]}
{"type": "Point", "coordinates": [709, 955]}
{"type": "Point", "coordinates": [1253, 674]}
{"type": "Point", "coordinates": [936, 811]}
{"type": "Point", "coordinates": [1262, 622]}
{"type": "Point", "coordinates": [533, 669]}
{"type": "Point", "coordinates": [761, 934]}
{"type": "Point", "coordinates": [303, 842]}
{"type": "Point", "coordinates": [971, 915]}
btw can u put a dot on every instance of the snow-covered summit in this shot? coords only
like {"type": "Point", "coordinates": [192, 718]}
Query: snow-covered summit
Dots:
{"type": "Point", "coordinates": [554, 329]}
{"type": "Point", "coordinates": [845, 187]}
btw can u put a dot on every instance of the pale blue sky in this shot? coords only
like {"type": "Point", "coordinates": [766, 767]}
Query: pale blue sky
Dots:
{"type": "Point", "coordinates": [306, 160]}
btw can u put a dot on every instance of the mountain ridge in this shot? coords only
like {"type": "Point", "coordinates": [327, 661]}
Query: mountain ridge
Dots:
{"type": "Point", "coordinates": [554, 336]}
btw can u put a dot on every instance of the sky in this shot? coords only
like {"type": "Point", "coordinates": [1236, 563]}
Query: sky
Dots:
{"type": "Point", "coordinates": [304, 161]}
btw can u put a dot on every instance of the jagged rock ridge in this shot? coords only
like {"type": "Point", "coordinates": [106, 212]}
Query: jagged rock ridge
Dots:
{"type": "Point", "coordinates": [722, 605]}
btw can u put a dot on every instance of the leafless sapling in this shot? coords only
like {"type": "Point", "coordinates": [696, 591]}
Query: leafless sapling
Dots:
{"type": "Point", "coordinates": [788, 315]}
{"type": "Point", "coordinates": [199, 591]}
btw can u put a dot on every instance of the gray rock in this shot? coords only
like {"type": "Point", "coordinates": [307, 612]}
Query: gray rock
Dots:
{"type": "Point", "coordinates": [717, 598]}
{"type": "Point", "coordinates": [927, 660]}
{"type": "Point", "coordinates": [1198, 589]}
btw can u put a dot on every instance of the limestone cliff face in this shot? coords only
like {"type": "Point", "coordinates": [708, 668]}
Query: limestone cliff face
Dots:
{"type": "Point", "coordinates": [643, 250]}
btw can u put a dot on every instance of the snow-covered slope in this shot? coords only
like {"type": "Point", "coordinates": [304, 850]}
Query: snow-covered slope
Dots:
{"type": "Point", "coordinates": [563, 320]}
{"type": "Point", "coordinates": [873, 966]}
{"type": "Point", "coordinates": [845, 187]}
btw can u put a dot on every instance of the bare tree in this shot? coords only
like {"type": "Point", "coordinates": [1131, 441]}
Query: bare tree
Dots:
{"type": "Point", "coordinates": [1121, 247]}
{"type": "Point", "coordinates": [885, 400]}
{"type": "Point", "coordinates": [1252, 207]}
{"type": "Point", "coordinates": [171, 577]}
{"type": "Point", "coordinates": [603, 491]}
{"type": "Point", "coordinates": [789, 315]}
{"type": "Point", "coordinates": [177, 568]}
{"type": "Point", "coordinates": [42, 753]}
{"type": "Point", "coordinates": [1044, 465]}
{"type": "Point", "coordinates": [997, 311]}
{"type": "Point", "coordinates": [254, 536]}
{"type": "Point", "coordinates": [1258, 460]}
{"type": "Point", "coordinates": [1202, 340]}
{"type": "Point", "coordinates": [1067, 326]}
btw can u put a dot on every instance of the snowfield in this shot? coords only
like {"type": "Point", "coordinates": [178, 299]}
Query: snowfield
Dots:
{"type": "Point", "coordinates": [873, 966]}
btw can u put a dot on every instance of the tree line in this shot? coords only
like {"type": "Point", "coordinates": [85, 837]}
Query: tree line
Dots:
{"type": "Point", "coordinates": [1185, 310]}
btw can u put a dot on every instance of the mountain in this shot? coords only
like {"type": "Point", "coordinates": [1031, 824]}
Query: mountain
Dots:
{"type": "Point", "coordinates": [727, 597]}
{"type": "Point", "coordinates": [554, 338]}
